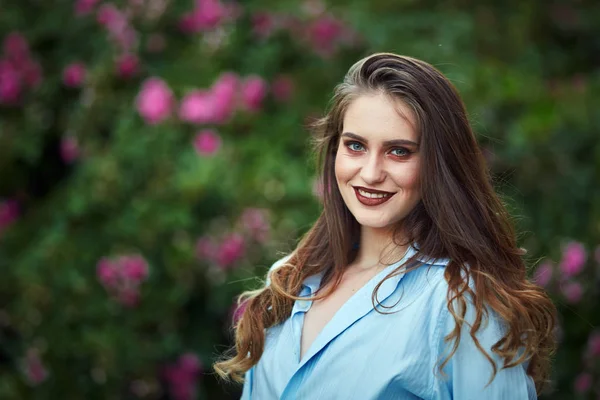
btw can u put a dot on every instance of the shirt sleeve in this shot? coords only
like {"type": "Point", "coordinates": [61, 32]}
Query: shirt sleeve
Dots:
{"type": "Point", "coordinates": [248, 378]}
{"type": "Point", "coordinates": [469, 371]}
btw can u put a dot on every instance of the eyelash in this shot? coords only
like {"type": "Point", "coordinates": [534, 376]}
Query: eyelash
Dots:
{"type": "Point", "coordinates": [406, 151]}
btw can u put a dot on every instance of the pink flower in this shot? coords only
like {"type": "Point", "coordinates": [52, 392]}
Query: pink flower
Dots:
{"type": "Point", "coordinates": [182, 375]}
{"type": "Point", "coordinates": [543, 274]}
{"type": "Point", "coordinates": [9, 213]}
{"type": "Point", "coordinates": [125, 38]}
{"type": "Point", "coordinates": [231, 250]}
{"type": "Point", "coordinates": [573, 292]}
{"type": "Point", "coordinates": [134, 268]}
{"type": "Point", "coordinates": [207, 142]}
{"type": "Point", "coordinates": [190, 363]}
{"type": "Point", "coordinates": [155, 101]}
{"type": "Point", "coordinates": [117, 24]}
{"type": "Point", "coordinates": [74, 74]}
{"type": "Point", "coordinates": [263, 24]}
{"type": "Point", "coordinates": [107, 273]}
{"type": "Point", "coordinates": [34, 369]}
{"type": "Point", "coordinates": [256, 222]}
{"type": "Point", "coordinates": [15, 47]}
{"type": "Point", "coordinates": [582, 383]}
{"type": "Point", "coordinates": [197, 107]}
{"type": "Point", "coordinates": [206, 248]}
{"type": "Point", "coordinates": [127, 65]}
{"type": "Point", "coordinates": [122, 276]}
{"type": "Point", "coordinates": [573, 259]}
{"type": "Point", "coordinates": [594, 344]}
{"type": "Point", "coordinates": [109, 16]}
{"type": "Point", "coordinates": [254, 90]}
{"type": "Point", "coordinates": [83, 7]}
{"type": "Point", "coordinates": [188, 24]}
{"type": "Point", "coordinates": [282, 88]}
{"type": "Point", "coordinates": [224, 92]}
{"type": "Point", "coordinates": [208, 15]}
{"type": "Point", "coordinates": [10, 83]}
{"type": "Point", "coordinates": [324, 34]}
{"type": "Point", "coordinates": [69, 149]}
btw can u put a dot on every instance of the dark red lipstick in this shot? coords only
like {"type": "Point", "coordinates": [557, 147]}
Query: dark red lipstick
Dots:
{"type": "Point", "coordinates": [372, 201]}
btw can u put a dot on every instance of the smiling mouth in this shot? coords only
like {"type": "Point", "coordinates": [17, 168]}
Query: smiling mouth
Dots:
{"type": "Point", "coordinates": [370, 197]}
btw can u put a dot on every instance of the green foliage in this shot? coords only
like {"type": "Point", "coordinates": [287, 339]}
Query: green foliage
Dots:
{"type": "Point", "coordinates": [525, 71]}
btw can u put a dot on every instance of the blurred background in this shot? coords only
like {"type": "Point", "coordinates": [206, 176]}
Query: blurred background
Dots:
{"type": "Point", "coordinates": [154, 162]}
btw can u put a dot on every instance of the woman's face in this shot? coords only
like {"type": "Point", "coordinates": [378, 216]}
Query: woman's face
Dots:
{"type": "Point", "coordinates": [377, 163]}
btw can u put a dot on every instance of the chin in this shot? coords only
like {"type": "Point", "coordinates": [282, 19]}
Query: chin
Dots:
{"type": "Point", "coordinates": [374, 223]}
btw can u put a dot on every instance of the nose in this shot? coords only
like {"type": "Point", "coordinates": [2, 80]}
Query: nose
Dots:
{"type": "Point", "coordinates": [373, 171]}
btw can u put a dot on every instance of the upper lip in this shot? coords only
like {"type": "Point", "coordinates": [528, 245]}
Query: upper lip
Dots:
{"type": "Point", "coordinates": [372, 190]}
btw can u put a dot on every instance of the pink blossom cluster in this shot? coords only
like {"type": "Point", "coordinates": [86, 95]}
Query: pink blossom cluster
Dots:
{"type": "Point", "coordinates": [252, 225]}
{"type": "Point", "coordinates": [256, 223]}
{"type": "Point", "coordinates": [118, 27]}
{"type": "Point", "coordinates": [19, 72]}
{"type": "Point", "coordinates": [217, 104]}
{"type": "Point", "coordinates": [33, 368]}
{"type": "Point", "coordinates": [74, 74]}
{"type": "Point", "coordinates": [9, 212]}
{"type": "Point", "coordinates": [572, 263]}
{"type": "Point", "coordinates": [591, 355]}
{"type": "Point", "coordinates": [321, 31]}
{"type": "Point", "coordinates": [283, 88]}
{"type": "Point", "coordinates": [583, 383]}
{"type": "Point", "coordinates": [122, 33]}
{"type": "Point", "coordinates": [206, 15]}
{"type": "Point", "coordinates": [155, 101]}
{"type": "Point", "coordinates": [182, 375]}
{"type": "Point", "coordinates": [122, 276]}
{"type": "Point", "coordinates": [224, 253]}
{"type": "Point", "coordinates": [84, 7]}
{"type": "Point", "coordinates": [573, 259]}
{"type": "Point", "coordinates": [207, 142]}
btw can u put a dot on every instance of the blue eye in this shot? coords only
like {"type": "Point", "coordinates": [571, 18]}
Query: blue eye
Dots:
{"type": "Point", "coordinates": [354, 146]}
{"type": "Point", "coordinates": [400, 152]}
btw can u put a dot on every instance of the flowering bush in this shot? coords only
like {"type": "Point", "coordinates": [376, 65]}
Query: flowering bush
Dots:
{"type": "Point", "coordinates": [154, 161]}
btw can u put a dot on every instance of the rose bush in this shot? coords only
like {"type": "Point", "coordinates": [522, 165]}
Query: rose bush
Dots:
{"type": "Point", "coordinates": [154, 162]}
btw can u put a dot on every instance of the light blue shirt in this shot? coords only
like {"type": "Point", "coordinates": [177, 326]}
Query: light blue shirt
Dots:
{"type": "Point", "coordinates": [362, 354]}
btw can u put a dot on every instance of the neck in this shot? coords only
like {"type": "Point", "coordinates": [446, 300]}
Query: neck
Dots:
{"type": "Point", "coordinates": [377, 248]}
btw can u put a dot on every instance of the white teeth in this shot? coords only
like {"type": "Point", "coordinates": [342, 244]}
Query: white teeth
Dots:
{"type": "Point", "coordinates": [372, 195]}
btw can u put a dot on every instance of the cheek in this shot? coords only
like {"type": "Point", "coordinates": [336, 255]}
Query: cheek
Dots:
{"type": "Point", "coordinates": [408, 177]}
{"type": "Point", "coordinates": [343, 168]}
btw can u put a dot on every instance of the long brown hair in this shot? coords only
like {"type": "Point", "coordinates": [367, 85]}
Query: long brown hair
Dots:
{"type": "Point", "coordinates": [459, 217]}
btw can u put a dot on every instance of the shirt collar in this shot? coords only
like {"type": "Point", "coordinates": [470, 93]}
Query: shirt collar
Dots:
{"type": "Point", "coordinates": [313, 282]}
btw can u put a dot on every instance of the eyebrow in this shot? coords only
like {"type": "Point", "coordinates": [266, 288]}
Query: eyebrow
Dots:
{"type": "Point", "coordinates": [387, 143]}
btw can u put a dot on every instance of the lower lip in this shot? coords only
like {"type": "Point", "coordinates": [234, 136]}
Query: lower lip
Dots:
{"type": "Point", "coordinates": [368, 201]}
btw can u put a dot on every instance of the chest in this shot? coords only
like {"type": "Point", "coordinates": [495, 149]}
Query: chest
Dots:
{"type": "Point", "coordinates": [380, 356]}
{"type": "Point", "coordinates": [322, 311]}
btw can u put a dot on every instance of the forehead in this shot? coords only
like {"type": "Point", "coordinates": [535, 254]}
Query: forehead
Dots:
{"type": "Point", "coordinates": [377, 117]}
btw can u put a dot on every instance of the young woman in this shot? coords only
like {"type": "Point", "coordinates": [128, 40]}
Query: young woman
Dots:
{"type": "Point", "coordinates": [410, 284]}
